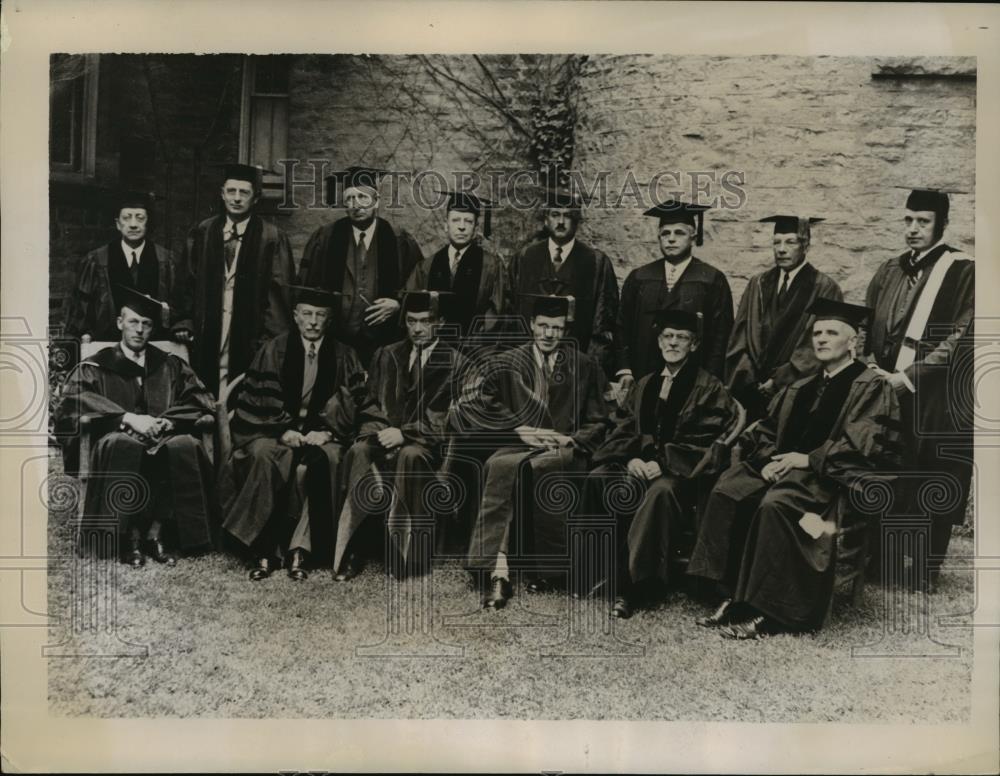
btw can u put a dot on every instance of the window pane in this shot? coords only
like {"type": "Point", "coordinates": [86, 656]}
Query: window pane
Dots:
{"type": "Point", "coordinates": [65, 122]}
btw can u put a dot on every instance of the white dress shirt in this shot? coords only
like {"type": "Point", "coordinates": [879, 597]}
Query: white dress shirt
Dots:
{"type": "Point", "coordinates": [455, 256]}
{"type": "Point", "coordinates": [425, 353]}
{"type": "Point", "coordinates": [365, 234]}
{"type": "Point", "coordinates": [129, 251]}
{"type": "Point", "coordinates": [790, 274]}
{"type": "Point", "coordinates": [673, 272]}
{"type": "Point", "coordinates": [564, 250]}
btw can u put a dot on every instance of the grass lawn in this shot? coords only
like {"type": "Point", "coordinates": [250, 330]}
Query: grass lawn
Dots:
{"type": "Point", "coordinates": [221, 646]}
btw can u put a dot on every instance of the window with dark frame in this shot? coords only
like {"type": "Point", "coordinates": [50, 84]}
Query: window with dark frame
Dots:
{"type": "Point", "coordinates": [73, 115]}
{"type": "Point", "coordinates": [264, 126]}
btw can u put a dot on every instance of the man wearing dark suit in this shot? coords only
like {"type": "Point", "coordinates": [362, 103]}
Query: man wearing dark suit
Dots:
{"type": "Point", "coordinates": [361, 257]}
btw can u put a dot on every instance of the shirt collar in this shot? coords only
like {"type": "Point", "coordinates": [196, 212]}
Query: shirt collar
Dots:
{"type": "Point", "coordinates": [792, 273]}
{"type": "Point", "coordinates": [306, 343]}
{"type": "Point", "coordinates": [921, 255]}
{"type": "Point", "coordinates": [128, 250]}
{"type": "Point", "coordinates": [839, 369]}
{"type": "Point", "coordinates": [366, 232]}
{"type": "Point", "coordinates": [678, 269]}
{"type": "Point", "coordinates": [131, 355]}
{"type": "Point", "coordinates": [539, 357]}
{"type": "Point", "coordinates": [566, 249]}
{"type": "Point", "coordinates": [240, 227]}
{"type": "Point", "coordinates": [457, 252]}
{"type": "Point", "coordinates": [425, 353]}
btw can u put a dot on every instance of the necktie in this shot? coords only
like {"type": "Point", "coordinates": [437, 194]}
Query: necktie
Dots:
{"type": "Point", "coordinates": [671, 275]}
{"type": "Point", "coordinates": [454, 262]}
{"type": "Point", "coordinates": [547, 368]}
{"type": "Point", "coordinates": [231, 245]}
{"type": "Point", "coordinates": [784, 288]}
{"type": "Point", "coordinates": [415, 366]}
{"type": "Point", "coordinates": [135, 269]}
{"type": "Point", "coordinates": [312, 351]}
{"type": "Point", "coordinates": [557, 260]}
{"type": "Point", "coordinates": [912, 273]}
{"type": "Point", "coordinates": [362, 250]}
{"type": "Point", "coordinates": [668, 381]}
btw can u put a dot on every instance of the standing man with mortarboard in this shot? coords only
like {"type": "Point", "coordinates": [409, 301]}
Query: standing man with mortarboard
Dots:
{"type": "Point", "coordinates": [771, 343]}
{"type": "Point", "coordinates": [766, 534]}
{"type": "Point", "coordinates": [361, 257]}
{"type": "Point", "coordinates": [238, 267]}
{"type": "Point", "coordinates": [476, 277]}
{"type": "Point", "coordinates": [921, 340]}
{"type": "Point", "coordinates": [678, 281]}
{"type": "Point", "coordinates": [565, 264]}
{"type": "Point", "coordinates": [130, 260]}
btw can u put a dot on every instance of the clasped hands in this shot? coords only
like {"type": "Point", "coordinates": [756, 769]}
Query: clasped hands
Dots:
{"type": "Point", "coordinates": [782, 463]}
{"type": "Point", "coordinates": [293, 438]}
{"type": "Point", "coordinates": [147, 426]}
{"type": "Point", "coordinates": [643, 470]}
{"type": "Point", "coordinates": [547, 438]}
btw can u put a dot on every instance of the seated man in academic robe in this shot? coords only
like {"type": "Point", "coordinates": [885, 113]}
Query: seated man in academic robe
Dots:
{"type": "Point", "coordinates": [402, 424]}
{"type": "Point", "coordinates": [670, 442]}
{"type": "Point", "coordinates": [282, 484]}
{"type": "Point", "coordinates": [142, 405]}
{"type": "Point", "coordinates": [766, 535]}
{"type": "Point", "coordinates": [545, 400]}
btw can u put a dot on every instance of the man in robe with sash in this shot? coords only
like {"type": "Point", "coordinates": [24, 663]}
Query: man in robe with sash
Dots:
{"type": "Point", "coordinates": [771, 343]}
{"type": "Point", "coordinates": [544, 402]}
{"type": "Point", "coordinates": [678, 281]}
{"type": "Point", "coordinates": [238, 267]}
{"type": "Point", "coordinates": [766, 537]}
{"type": "Point", "coordinates": [142, 406]}
{"type": "Point", "coordinates": [361, 257]}
{"type": "Point", "coordinates": [476, 277]}
{"type": "Point", "coordinates": [671, 443]}
{"type": "Point", "coordinates": [402, 433]}
{"type": "Point", "coordinates": [921, 340]}
{"type": "Point", "coordinates": [293, 410]}
{"type": "Point", "coordinates": [572, 268]}
{"type": "Point", "coordinates": [130, 260]}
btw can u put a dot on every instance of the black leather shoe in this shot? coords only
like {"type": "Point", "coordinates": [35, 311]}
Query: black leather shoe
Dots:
{"type": "Point", "coordinates": [262, 570]}
{"type": "Point", "coordinates": [719, 617]}
{"type": "Point", "coordinates": [296, 567]}
{"type": "Point", "coordinates": [350, 567]}
{"type": "Point", "coordinates": [754, 628]}
{"type": "Point", "coordinates": [160, 554]}
{"type": "Point", "coordinates": [500, 593]}
{"type": "Point", "coordinates": [543, 585]}
{"type": "Point", "coordinates": [134, 556]}
{"type": "Point", "coordinates": [622, 608]}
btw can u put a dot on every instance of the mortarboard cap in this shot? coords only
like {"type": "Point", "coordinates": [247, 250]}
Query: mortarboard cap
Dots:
{"type": "Point", "coordinates": [318, 297]}
{"type": "Point", "coordinates": [784, 224]}
{"type": "Point", "coordinates": [434, 302]}
{"type": "Point", "coordinates": [934, 200]}
{"type": "Point", "coordinates": [140, 303]}
{"type": "Point", "coordinates": [243, 172]}
{"type": "Point", "coordinates": [677, 319]}
{"type": "Point", "coordinates": [468, 202]}
{"type": "Point", "coordinates": [355, 176]}
{"type": "Point", "coordinates": [135, 199]}
{"type": "Point", "coordinates": [672, 211]}
{"type": "Point", "coordinates": [831, 310]}
{"type": "Point", "coordinates": [562, 197]}
{"type": "Point", "coordinates": [553, 303]}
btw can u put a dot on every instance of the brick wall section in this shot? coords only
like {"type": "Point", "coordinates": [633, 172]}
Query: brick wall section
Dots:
{"type": "Point", "coordinates": [818, 135]}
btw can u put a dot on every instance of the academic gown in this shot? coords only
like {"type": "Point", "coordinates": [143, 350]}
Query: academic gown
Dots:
{"type": "Point", "coordinates": [480, 285]}
{"type": "Point", "coordinates": [938, 415]}
{"type": "Point", "coordinates": [702, 288]}
{"type": "Point", "coordinates": [256, 494]}
{"type": "Point", "coordinates": [416, 402]}
{"type": "Point", "coordinates": [516, 393]}
{"type": "Point", "coordinates": [92, 307]}
{"type": "Point", "coordinates": [587, 275]}
{"type": "Point", "coordinates": [178, 472]}
{"type": "Point", "coordinates": [750, 539]}
{"type": "Point", "coordinates": [325, 261]}
{"type": "Point", "coordinates": [685, 435]}
{"type": "Point", "coordinates": [769, 342]}
{"type": "Point", "coordinates": [261, 301]}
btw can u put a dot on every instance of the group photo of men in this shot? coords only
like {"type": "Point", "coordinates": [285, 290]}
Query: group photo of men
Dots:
{"type": "Point", "coordinates": [348, 361]}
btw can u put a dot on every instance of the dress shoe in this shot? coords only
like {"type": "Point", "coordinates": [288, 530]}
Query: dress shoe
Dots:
{"type": "Point", "coordinates": [296, 568]}
{"type": "Point", "coordinates": [621, 609]}
{"type": "Point", "coordinates": [754, 628]}
{"type": "Point", "coordinates": [500, 593]}
{"type": "Point", "coordinates": [262, 570]}
{"type": "Point", "coordinates": [349, 569]}
{"type": "Point", "coordinates": [134, 556]}
{"type": "Point", "coordinates": [543, 585]}
{"type": "Point", "coordinates": [160, 554]}
{"type": "Point", "coordinates": [719, 617]}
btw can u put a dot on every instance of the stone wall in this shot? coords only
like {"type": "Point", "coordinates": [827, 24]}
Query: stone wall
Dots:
{"type": "Point", "coordinates": [827, 136]}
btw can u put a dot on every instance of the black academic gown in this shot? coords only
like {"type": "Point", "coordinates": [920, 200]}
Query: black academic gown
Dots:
{"type": "Point", "coordinates": [174, 477]}
{"type": "Point", "coordinates": [750, 539]}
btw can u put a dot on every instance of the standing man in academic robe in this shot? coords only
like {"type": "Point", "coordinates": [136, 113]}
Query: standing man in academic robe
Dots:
{"type": "Point", "coordinates": [238, 268]}
{"type": "Point", "coordinates": [142, 406]}
{"type": "Point", "coordinates": [921, 341]}
{"type": "Point", "coordinates": [570, 267]}
{"type": "Point", "coordinates": [476, 277]}
{"type": "Point", "coordinates": [402, 433]}
{"type": "Point", "coordinates": [678, 281]}
{"type": "Point", "coordinates": [130, 260]}
{"type": "Point", "coordinates": [766, 535]}
{"type": "Point", "coordinates": [544, 402]}
{"type": "Point", "coordinates": [771, 343]}
{"type": "Point", "coordinates": [293, 412]}
{"type": "Point", "coordinates": [672, 441]}
{"type": "Point", "coordinates": [361, 257]}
